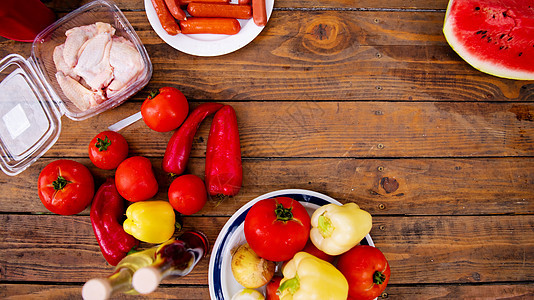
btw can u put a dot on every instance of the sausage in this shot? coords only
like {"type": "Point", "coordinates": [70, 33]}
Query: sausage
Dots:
{"type": "Point", "coordinates": [210, 25]}
{"type": "Point", "coordinates": [185, 2]}
{"type": "Point", "coordinates": [220, 10]}
{"type": "Point", "coordinates": [175, 10]}
{"type": "Point", "coordinates": [165, 18]}
{"type": "Point", "coordinates": [259, 12]}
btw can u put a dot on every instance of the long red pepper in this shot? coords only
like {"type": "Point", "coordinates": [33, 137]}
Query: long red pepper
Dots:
{"type": "Point", "coordinates": [224, 172]}
{"type": "Point", "coordinates": [181, 142]}
{"type": "Point", "coordinates": [106, 213]}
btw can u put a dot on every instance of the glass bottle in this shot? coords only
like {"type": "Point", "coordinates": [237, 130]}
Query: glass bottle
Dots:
{"type": "Point", "coordinates": [176, 257]}
{"type": "Point", "coordinates": [121, 279]}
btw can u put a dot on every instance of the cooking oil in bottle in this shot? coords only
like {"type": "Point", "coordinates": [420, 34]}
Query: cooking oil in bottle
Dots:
{"type": "Point", "coordinates": [176, 257]}
{"type": "Point", "coordinates": [121, 280]}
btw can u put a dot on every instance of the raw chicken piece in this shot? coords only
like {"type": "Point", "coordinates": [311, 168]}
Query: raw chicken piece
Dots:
{"type": "Point", "coordinates": [102, 27]}
{"type": "Point", "coordinates": [126, 62]}
{"type": "Point", "coordinates": [60, 63]}
{"type": "Point", "coordinates": [77, 36]}
{"type": "Point", "coordinates": [77, 93]}
{"type": "Point", "coordinates": [93, 63]}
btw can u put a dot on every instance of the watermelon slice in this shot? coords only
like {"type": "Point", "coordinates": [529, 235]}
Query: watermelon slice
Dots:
{"type": "Point", "coordinates": [493, 36]}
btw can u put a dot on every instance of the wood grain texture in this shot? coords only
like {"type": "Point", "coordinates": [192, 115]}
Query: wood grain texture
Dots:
{"type": "Point", "coordinates": [68, 292]}
{"type": "Point", "coordinates": [335, 55]}
{"type": "Point", "coordinates": [69, 252]}
{"type": "Point", "coordinates": [363, 101]}
{"type": "Point", "coordinates": [493, 291]}
{"type": "Point", "coordinates": [327, 55]}
{"type": "Point", "coordinates": [451, 291]}
{"type": "Point", "coordinates": [339, 129]}
{"type": "Point", "coordinates": [380, 186]}
{"type": "Point", "coordinates": [68, 5]}
{"type": "Point", "coordinates": [471, 248]}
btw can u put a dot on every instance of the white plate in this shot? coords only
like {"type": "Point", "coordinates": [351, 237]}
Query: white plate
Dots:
{"type": "Point", "coordinates": [222, 284]}
{"type": "Point", "coordinates": [208, 44]}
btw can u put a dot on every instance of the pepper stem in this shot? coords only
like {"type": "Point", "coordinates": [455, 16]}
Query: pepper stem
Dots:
{"type": "Point", "coordinates": [379, 277]}
{"type": "Point", "coordinates": [325, 226]}
{"type": "Point", "coordinates": [60, 183]}
{"type": "Point", "coordinates": [291, 285]}
{"type": "Point", "coordinates": [282, 213]}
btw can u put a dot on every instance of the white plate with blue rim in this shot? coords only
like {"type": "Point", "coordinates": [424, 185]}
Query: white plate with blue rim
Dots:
{"type": "Point", "coordinates": [208, 44]}
{"type": "Point", "coordinates": [222, 284]}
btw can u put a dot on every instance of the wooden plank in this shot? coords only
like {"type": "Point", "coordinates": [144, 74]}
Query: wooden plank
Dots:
{"type": "Point", "coordinates": [328, 55]}
{"type": "Point", "coordinates": [444, 249]}
{"type": "Point", "coordinates": [365, 56]}
{"type": "Point", "coordinates": [484, 291]}
{"type": "Point", "coordinates": [464, 249]}
{"type": "Point", "coordinates": [346, 52]}
{"type": "Point", "coordinates": [380, 186]}
{"type": "Point", "coordinates": [48, 248]}
{"type": "Point", "coordinates": [352, 56]}
{"type": "Point", "coordinates": [126, 5]}
{"type": "Point", "coordinates": [331, 31]}
{"type": "Point", "coordinates": [363, 4]}
{"type": "Point", "coordinates": [463, 291]}
{"type": "Point", "coordinates": [339, 129]}
{"type": "Point", "coordinates": [67, 292]}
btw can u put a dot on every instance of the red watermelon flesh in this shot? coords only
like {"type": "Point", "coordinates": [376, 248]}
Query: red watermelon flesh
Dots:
{"type": "Point", "coordinates": [494, 36]}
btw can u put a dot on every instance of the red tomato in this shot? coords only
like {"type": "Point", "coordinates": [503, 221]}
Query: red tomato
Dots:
{"type": "Point", "coordinates": [367, 271]}
{"type": "Point", "coordinates": [313, 250]}
{"type": "Point", "coordinates": [66, 187]}
{"type": "Point", "coordinates": [165, 109]}
{"type": "Point", "coordinates": [108, 149]}
{"type": "Point", "coordinates": [135, 179]}
{"type": "Point", "coordinates": [187, 194]}
{"type": "Point", "coordinates": [271, 288]}
{"type": "Point", "coordinates": [277, 228]}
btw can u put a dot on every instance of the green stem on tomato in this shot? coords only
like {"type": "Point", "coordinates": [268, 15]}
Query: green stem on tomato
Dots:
{"type": "Point", "coordinates": [60, 183]}
{"type": "Point", "coordinates": [379, 277]}
{"type": "Point", "coordinates": [102, 144]}
{"type": "Point", "coordinates": [153, 94]}
{"type": "Point", "coordinates": [282, 213]}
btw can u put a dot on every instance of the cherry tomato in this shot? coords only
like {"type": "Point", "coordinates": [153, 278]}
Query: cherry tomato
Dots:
{"type": "Point", "coordinates": [187, 194]}
{"type": "Point", "coordinates": [367, 271]}
{"type": "Point", "coordinates": [108, 149]}
{"type": "Point", "coordinates": [313, 250]}
{"type": "Point", "coordinates": [271, 288]}
{"type": "Point", "coordinates": [165, 109]}
{"type": "Point", "coordinates": [135, 179]}
{"type": "Point", "coordinates": [277, 228]}
{"type": "Point", "coordinates": [66, 187]}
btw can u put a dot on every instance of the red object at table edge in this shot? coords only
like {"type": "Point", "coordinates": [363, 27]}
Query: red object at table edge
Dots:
{"type": "Point", "coordinates": [24, 20]}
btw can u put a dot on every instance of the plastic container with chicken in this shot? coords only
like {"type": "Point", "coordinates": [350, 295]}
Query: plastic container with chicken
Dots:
{"type": "Point", "coordinates": [93, 59]}
{"type": "Point", "coordinates": [85, 63]}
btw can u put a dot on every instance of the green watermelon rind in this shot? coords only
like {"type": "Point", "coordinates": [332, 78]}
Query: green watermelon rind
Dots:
{"type": "Point", "coordinates": [495, 69]}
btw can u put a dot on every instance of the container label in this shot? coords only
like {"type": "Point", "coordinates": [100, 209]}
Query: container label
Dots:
{"type": "Point", "coordinates": [16, 121]}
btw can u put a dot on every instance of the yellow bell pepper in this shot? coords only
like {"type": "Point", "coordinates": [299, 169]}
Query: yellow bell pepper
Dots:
{"type": "Point", "coordinates": [336, 229]}
{"type": "Point", "coordinates": [150, 221]}
{"type": "Point", "coordinates": [307, 277]}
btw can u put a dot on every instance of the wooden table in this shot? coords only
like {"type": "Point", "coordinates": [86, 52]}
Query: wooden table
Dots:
{"type": "Point", "coordinates": [363, 101]}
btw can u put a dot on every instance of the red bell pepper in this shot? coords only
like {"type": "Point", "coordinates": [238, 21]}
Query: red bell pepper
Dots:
{"type": "Point", "coordinates": [181, 142]}
{"type": "Point", "coordinates": [106, 213]}
{"type": "Point", "coordinates": [224, 172]}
